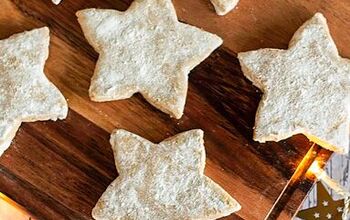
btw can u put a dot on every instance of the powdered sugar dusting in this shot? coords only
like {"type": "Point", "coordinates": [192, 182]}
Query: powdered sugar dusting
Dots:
{"type": "Point", "coordinates": [163, 181]}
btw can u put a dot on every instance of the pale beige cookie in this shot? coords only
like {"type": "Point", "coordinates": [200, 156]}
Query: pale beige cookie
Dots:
{"type": "Point", "coordinates": [306, 88]}
{"type": "Point", "coordinates": [146, 50]}
{"type": "Point", "coordinates": [56, 2]}
{"type": "Point", "coordinates": [222, 7]}
{"type": "Point", "coordinates": [162, 181]}
{"type": "Point", "coordinates": [26, 95]}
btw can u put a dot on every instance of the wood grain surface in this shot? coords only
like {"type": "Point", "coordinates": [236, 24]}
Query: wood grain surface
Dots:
{"type": "Point", "coordinates": [58, 170]}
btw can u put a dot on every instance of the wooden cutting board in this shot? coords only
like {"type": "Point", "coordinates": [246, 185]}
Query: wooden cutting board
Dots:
{"type": "Point", "coordinates": [58, 170]}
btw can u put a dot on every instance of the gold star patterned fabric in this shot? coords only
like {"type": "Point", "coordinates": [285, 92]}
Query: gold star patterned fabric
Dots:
{"type": "Point", "coordinates": [326, 207]}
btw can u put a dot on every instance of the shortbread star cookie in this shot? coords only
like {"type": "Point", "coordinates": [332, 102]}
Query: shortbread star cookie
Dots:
{"type": "Point", "coordinates": [146, 50]}
{"type": "Point", "coordinates": [222, 7]}
{"type": "Point", "coordinates": [162, 181]}
{"type": "Point", "coordinates": [306, 88]}
{"type": "Point", "coordinates": [26, 95]}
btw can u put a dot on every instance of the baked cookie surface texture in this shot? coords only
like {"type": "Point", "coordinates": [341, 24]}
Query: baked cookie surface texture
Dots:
{"type": "Point", "coordinates": [162, 181]}
{"type": "Point", "coordinates": [147, 50]}
{"type": "Point", "coordinates": [306, 88]}
{"type": "Point", "coordinates": [26, 95]}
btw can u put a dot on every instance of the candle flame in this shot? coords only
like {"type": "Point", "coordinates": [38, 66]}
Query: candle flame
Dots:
{"type": "Point", "coordinates": [315, 169]}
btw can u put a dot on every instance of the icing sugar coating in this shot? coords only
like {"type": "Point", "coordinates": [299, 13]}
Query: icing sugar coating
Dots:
{"type": "Point", "coordinates": [26, 94]}
{"type": "Point", "coordinates": [162, 181]}
{"type": "Point", "coordinates": [306, 88]}
{"type": "Point", "coordinates": [147, 50]}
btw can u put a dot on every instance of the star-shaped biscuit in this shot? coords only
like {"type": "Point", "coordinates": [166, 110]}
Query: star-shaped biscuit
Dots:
{"type": "Point", "coordinates": [306, 88]}
{"type": "Point", "coordinates": [162, 181]}
{"type": "Point", "coordinates": [146, 50]}
{"type": "Point", "coordinates": [26, 95]}
{"type": "Point", "coordinates": [222, 7]}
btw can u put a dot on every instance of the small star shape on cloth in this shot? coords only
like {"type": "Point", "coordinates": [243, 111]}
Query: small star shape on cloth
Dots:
{"type": "Point", "coordinates": [330, 211]}
{"type": "Point", "coordinates": [162, 181]}
{"type": "Point", "coordinates": [329, 216]}
{"type": "Point", "coordinates": [144, 49]}
{"type": "Point", "coordinates": [325, 203]}
{"type": "Point", "coordinates": [306, 88]}
{"type": "Point", "coordinates": [26, 95]}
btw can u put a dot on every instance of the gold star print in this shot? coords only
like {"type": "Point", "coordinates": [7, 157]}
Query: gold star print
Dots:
{"type": "Point", "coordinates": [326, 207]}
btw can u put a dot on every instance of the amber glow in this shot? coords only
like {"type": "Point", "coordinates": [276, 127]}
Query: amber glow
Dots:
{"type": "Point", "coordinates": [10, 210]}
{"type": "Point", "coordinates": [322, 143]}
{"type": "Point", "coordinates": [316, 169]}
